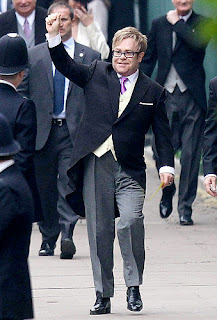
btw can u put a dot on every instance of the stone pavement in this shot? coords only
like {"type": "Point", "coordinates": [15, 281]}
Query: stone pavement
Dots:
{"type": "Point", "coordinates": [180, 280]}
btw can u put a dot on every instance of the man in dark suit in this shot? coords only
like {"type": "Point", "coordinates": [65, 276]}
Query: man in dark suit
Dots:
{"type": "Point", "coordinates": [133, 13]}
{"type": "Point", "coordinates": [210, 141]}
{"type": "Point", "coordinates": [27, 20]}
{"type": "Point", "coordinates": [16, 214]}
{"type": "Point", "coordinates": [175, 43]}
{"type": "Point", "coordinates": [109, 145]}
{"type": "Point", "coordinates": [20, 112]}
{"type": "Point", "coordinates": [55, 134]}
{"type": "Point", "coordinates": [44, 3]}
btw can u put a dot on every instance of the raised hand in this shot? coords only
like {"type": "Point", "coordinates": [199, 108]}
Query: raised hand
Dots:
{"type": "Point", "coordinates": [86, 17]}
{"type": "Point", "coordinates": [53, 24]}
{"type": "Point", "coordinates": [172, 16]}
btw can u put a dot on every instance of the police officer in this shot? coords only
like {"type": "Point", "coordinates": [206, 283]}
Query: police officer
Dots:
{"type": "Point", "coordinates": [19, 111]}
{"type": "Point", "coordinates": [16, 211]}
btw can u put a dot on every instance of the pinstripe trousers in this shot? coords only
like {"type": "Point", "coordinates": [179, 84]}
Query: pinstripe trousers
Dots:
{"type": "Point", "coordinates": [105, 186]}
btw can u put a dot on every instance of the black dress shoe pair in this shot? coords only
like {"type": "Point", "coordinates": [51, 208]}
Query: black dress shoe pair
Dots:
{"type": "Point", "coordinates": [101, 306]}
{"type": "Point", "coordinates": [67, 249]}
{"type": "Point", "coordinates": [46, 249]}
{"type": "Point", "coordinates": [134, 301]}
{"type": "Point", "coordinates": [186, 221]}
{"type": "Point", "coordinates": [166, 203]}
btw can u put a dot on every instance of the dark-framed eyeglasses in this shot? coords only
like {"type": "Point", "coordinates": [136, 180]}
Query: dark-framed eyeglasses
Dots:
{"type": "Point", "coordinates": [127, 54]}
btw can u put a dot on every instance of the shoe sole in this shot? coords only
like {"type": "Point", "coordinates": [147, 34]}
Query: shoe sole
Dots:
{"type": "Point", "coordinates": [129, 308]}
{"type": "Point", "coordinates": [186, 223]}
{"type": "Point", "coordinates": [68, 250]}
{"type": "Point", "coordinates": [137, 310]}
{"type": "Point", "coordinates": [105, 311]}
{"type": "Point", "coordinates": [45, 254]}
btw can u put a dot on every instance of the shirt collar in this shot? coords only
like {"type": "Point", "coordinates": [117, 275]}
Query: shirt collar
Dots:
{"type": "Point", "coordinates": [30, 18]}
{"type": "Point", "coordinates": [132, 77]}
{"type": "Point", "coordinates": [4, 165]}
{"type": "Point", "coordinates": [185, 18]}
{"type": "Point", "coordinates": [8, 83]}
{"type": "Point", "coordinates": [70, 43]}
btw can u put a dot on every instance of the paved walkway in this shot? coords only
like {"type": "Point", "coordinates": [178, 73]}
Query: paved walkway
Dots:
{"type": "Point", "coordinates": [180, 280]}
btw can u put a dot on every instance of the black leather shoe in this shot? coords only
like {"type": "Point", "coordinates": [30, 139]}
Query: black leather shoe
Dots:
{"type": "Point", "coordinates": [166, 203]}
{"type": "Point", "coordinates": [46, 249]}
{"type": "Point", "coordinates": [134, 301]}
{"type": "Point", "coordinates": [67, 249]}
{"type": "Point", "coordinates": [186, 221]}
{"type": "Point", "coordinates": [101, 306]}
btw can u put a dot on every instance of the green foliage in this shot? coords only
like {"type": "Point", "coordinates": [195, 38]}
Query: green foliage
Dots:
{"type": "Point", "coordinates": [209, 28]}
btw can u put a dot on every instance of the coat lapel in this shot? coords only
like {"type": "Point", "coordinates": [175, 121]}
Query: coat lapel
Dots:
{"type": "Point", "coordinates": [114, 89]}
{"type": "Point", "coordinates": [45, 57]}
{"type": "Point", "coordinates": [168, 37]}
{"type": "Point", "coordinates": [78, 57]}
{"type": "Point", "coordinates": [189, 22]}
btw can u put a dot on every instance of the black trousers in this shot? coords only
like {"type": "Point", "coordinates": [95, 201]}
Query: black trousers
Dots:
{"type": "Point", "coordinates": [187, 121]}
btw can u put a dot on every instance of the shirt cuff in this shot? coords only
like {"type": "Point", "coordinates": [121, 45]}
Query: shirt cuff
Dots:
{"type": "Point", "coordinates": [210, 175]}
{"type": "Point", "coordinates": [53, 42]}
{"type": "Point", "coordinates": [167, 169]}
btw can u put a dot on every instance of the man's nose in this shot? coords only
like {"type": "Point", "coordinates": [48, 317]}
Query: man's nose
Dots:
{"type": "Point", "coordinates": [122, 56]}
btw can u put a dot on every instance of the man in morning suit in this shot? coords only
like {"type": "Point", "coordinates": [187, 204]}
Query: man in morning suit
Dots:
{"type": "Point", "coordinates": [210, 141]}
{"type": "Point", "coordinates": [20, 112]}
{"type": "Point", "coordinates": [16, 214]}
{"type": "Point", "coordinates": [55, 133]}
{"type": "Point", "coordinates": [121, 105]}
{"type": "Point", "coordinates": [27, 20]}
{"type": "Point", "coordinates": [174, 41]}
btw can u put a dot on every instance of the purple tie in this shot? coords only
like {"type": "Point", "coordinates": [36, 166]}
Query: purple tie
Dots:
{"type": "Point", "coordinates": [26, 29]}
{"type": "Point", "coordinates": [123, 88]}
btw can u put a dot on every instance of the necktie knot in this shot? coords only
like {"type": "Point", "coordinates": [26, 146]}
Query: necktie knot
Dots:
{"type": "Point", "coordinates": [26, 29]}
{"type": "Point", "coordinates": [123, 81]}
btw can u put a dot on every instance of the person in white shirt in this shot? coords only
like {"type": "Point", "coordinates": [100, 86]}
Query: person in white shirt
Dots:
{"type": "Point", "coordinates": [85, 30]}
{"type": "Point", "coordinates": [100, 10]}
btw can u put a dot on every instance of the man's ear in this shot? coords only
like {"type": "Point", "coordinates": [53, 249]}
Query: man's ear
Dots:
{"type": "Point", "coordinates": [22, 73]}
{"type": "Point", "coordinates": [140, 56]}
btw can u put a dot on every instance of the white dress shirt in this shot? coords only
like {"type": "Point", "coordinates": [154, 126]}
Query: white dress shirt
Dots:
{"type": "Point", "coordinates": [100, 14]}
{"type": "Point", "coordinates": [93, 37]}
{"type": "Point", "coordinates": [30, 19]}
